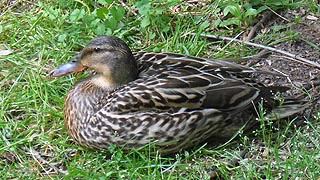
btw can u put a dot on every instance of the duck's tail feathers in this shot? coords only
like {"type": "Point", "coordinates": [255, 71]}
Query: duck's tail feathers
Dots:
{"type": "Point", "coordinates": [292, 106]}
{"type": "Point", "coordinates": [288, 109]}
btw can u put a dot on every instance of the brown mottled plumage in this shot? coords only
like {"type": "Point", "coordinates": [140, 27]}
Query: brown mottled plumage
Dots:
{"type": "Point", "coordinates": [173, 100]}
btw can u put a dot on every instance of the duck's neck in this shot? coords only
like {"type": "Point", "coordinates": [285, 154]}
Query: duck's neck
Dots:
{"type": "Point", "coordinates": [81, 103]}
{"type": "Point", "coordinates": [88, 96]}
{"type": "Point", "coordinates": [103, 83]}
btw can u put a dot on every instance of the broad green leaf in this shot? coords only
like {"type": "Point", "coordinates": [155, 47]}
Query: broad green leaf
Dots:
{"type": "Point", "coordinates": [165, 28]}
{"type": "Point", "coordinates": [217, 10]}
{"type": "Point", "coordinates": [100, 30]}
{"type": "Point", "coordinates": [144, 7]}
{"type": "Point", "coordinates": [65, 3]}
{"type": "Point", "coordinates": [104, 2]}
{"type": "Point", "coordinates": [232, 9]}
{"type": "Point", "coordinates": [77, 14]}
{"type": "Point", "coordinates": [204, 25]}
{"type": "Point", "coordinates": [52, 13]}
{"type": "Point", "coordinates": [277, 2]}
{"type": "Point", "coordinates": [101, 12]}
{"type": "Point", "coordinates": [117, 12]}
{"type": "Point", "coordinates": [62, 37]}
{"type": "Point", "coordinates": [230, 21]}
{"type": "Point", "coordinates": [247, 6]}
{"type": "Point", "coordinates": [152, 35]}
{"type": "Point", "coordinates": [108, 31]}
{"type": "Point", "coordinates": [158, 11]}
{"type": "Point", "coordinates": [145, 22]}
{"type": "Point", "coordinates": [94, 22]}
{"type": "Point", "coordinates": [112, 23]}
{"type": "Point", "coordinates": [89, 18]}
{"type": "Point", "coordinates": [217, 22]}
{"type": "Point", "coordinates": [251, 12]}
{"type": "Point", "coordinates": [262, 8]}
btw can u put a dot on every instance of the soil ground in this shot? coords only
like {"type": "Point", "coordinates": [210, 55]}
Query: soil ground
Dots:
{"type": "Point", "coordinates": [306, 44]}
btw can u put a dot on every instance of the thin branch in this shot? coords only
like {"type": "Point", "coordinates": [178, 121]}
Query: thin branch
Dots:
{"type": "Point", "coordinates": [288, 58]}
{"type": "Point", "coordinates": [278, 14]}
{"type": "Point", "coordinates": [299, 59]}
{"type": "Point", "coordinates": [258, 57]}
{"type": "Point", "coordinates": [254, 28]}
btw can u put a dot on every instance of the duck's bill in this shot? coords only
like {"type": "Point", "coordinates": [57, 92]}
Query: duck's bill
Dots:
{"type": "Point", "coordinates": [68, 68]}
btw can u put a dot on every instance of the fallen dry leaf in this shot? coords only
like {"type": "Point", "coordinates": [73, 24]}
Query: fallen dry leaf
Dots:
{"type": "Point", "coordinates": [313, 18]}
{"type": "Point", "coordinates": [5, 52]}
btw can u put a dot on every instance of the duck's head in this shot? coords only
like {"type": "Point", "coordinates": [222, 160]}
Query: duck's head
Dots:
{"type": "Point", "coordinates": [108, 56]}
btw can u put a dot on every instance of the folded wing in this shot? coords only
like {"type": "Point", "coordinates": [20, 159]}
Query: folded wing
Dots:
{"type": "Point", "coordinates": [175, 81]}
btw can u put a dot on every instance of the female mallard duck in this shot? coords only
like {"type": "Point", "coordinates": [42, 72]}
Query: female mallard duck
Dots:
{"type": "Point", "coordinates": [170, 99]}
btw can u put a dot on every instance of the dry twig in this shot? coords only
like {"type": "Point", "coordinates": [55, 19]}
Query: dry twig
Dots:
{"type": "Point", "coordinates": [254, 28]}
{"type": "Point", "coordinates": [296, 57]}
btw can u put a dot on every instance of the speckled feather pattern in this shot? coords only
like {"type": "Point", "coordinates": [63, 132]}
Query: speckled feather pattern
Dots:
{"type": "Point", "coordinates": [177, 101]}
{"type": "Point", "coordinates": [171, 100]}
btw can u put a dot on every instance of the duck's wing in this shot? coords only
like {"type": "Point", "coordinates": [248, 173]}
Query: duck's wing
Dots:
{"type": "Point", "coordinates": [175, 81]}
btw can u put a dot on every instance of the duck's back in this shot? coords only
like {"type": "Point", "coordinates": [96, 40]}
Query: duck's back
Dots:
{"type": "Point", "coordinates": [169, 80]}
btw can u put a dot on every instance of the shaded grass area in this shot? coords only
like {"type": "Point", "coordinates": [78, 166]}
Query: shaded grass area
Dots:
{"type": "Point", "coordinates": [42, 34]}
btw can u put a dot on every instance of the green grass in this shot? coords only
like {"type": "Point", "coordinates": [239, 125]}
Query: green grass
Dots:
{"type": "Point", "coordinates": [44, 34]}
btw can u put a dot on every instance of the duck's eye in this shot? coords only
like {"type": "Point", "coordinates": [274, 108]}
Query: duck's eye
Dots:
{"type": "Point", "coordinates": [96, 49]}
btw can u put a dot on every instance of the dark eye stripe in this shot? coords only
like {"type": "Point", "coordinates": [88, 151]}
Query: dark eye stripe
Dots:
{"type": "Point", "coordinates": [89, 51]}
{"type": "Point", "coordinates": [98, 50]}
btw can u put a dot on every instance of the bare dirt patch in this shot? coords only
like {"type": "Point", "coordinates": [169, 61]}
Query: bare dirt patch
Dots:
{"type": "Point", "coordinates": [306, 44]}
